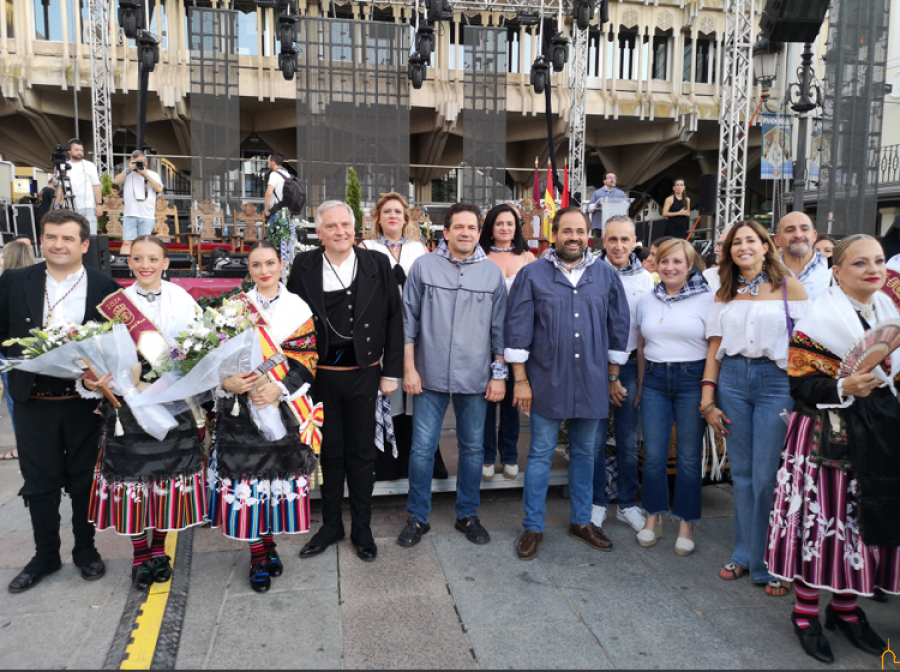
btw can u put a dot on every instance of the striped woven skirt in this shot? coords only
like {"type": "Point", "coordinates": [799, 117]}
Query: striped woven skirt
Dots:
{"type": "Point", "coordinates": [247, 508]}
{"type": "Point", "coordinates": [813, 525]}
{"type": "Point", "coordinates": [131, 506]}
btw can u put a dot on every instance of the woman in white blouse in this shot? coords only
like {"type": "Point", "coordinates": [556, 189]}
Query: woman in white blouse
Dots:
{"type": "Point", "coordinates": [745, 385]}
{"type": "Point", "coordinates": [672, 348]}
{"type": "Point", "coordinates": [395, 235]}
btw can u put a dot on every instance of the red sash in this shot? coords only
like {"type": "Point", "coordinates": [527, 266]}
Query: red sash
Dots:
{"type": "Point", "coordinates": [892, 287]}
{"type": "Point", "coordinates": [146, 336]}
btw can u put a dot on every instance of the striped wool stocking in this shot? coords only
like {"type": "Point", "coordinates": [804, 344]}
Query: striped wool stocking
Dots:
{"type": "Point", "coordinates": [159, 543]}
{"type": "Point", "coordinates": [807, 604]}
{"type": "Point", "coordinates": [141, 549]}
{"type": "Point", "coordinates": [269, 542]}
{"type": "Point", "coordinates": [257, 552]}
{"type": "Point", "coordinates": [845, 606]}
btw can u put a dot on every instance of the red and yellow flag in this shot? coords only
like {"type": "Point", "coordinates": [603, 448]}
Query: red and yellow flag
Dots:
{"type": "Point", "coordinates": [549, 208]}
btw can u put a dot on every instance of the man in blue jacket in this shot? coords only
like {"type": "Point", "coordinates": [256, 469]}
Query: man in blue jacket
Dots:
{"type": "Point", "coordinates": [566, 313]}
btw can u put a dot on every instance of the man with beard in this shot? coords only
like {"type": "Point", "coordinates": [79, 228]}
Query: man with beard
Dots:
{"type": "Point", "coordinates": [711, 274]}
{"type": "Point", "coordinates": [796, 237]}
{"type": "Point", "coordinates": [566, 317]}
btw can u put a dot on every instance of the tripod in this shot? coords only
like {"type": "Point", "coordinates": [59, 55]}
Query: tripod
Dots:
{"type": "Point", "coordinates": [62, 179]}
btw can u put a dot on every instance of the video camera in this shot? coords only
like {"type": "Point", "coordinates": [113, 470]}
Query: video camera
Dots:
{"type": "Point", "coordinates": [60, 159]}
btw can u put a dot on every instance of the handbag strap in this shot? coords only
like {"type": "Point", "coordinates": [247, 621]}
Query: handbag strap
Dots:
{"type": "Point", "coordinates": [787, 313]}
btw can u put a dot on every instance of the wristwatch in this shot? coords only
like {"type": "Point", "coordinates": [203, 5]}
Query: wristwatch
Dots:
{"type": "Point", "coordinates": [613, 377]}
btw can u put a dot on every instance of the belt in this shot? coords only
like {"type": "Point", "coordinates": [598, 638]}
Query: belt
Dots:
{"type": "Point", "coordinates": [35, 397]}
{"type": "Point", "coordinates": [322, 367]}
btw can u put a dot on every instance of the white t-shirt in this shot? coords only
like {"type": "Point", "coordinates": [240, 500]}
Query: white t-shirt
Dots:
{"type": "Point", "coordinates": [83, 177]}
{"type": "Point", "coordinates": [635, 287]}
{"type": "Point", "coordinates": [711, 275]}
{"type": "Point", "coordinates": [140, 198]}
{"type": "Point", "coordinates": [276, 179]}
{"type": "Point", "coordinates": [676, 331]}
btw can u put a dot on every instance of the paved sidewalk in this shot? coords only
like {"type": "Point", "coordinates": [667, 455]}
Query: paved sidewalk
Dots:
{"type": "Point", "coordinates": [445, 603]}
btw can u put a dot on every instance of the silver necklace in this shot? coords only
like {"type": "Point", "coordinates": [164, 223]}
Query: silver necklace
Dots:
{"type": "Point", "coordinates": [341, 282]}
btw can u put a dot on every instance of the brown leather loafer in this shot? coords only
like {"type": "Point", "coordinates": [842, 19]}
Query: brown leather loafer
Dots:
{"type": "Point", "coordinates": [591, 535]}
{"type": "Point", "coordinates": [527, 544]}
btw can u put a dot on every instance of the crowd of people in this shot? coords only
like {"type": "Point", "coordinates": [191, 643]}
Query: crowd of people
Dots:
{"type": "Point", "coordinates": [386, 335]}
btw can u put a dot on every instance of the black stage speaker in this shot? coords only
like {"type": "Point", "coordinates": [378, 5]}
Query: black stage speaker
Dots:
{"type": "Point", "coordinates": [97, 255]}
{"type": "Point", "coordinates": [649, 230]}
{"type": "Point", "coordinates": [792, 20]}
{"type": "Point", "coordinates": [709, 194]}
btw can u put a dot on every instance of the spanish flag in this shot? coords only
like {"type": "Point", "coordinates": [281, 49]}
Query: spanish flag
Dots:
{"type": "Point", "coordinates": [549, 208]}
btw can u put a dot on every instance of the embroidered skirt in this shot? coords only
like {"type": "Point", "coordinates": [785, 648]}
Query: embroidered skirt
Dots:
{"type": "Point", "coordinates": [813, 525]}
{"type": "Point", "coordinates": [141, 483]}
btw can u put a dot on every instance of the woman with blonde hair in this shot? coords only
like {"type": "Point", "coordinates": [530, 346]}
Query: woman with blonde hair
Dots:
{"type": "Point", "coordinates": [397, 236]}
{"type": "Point", "coordinates": [745, 385]}
{"type": "Point", "coordinates": [672, 349]}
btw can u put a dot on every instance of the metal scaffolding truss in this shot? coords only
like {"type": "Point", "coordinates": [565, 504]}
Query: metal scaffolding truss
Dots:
{"type": "Point", "coordinates": [550, 6]}
{"type": "Point", "coordinates": [578, 111]}
{"type": "Point", "coordinates": [101, 83]}
{"type": "Point", "coordinates": [734, 112]}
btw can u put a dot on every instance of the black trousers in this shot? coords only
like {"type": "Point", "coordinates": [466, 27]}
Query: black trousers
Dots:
{"type": "Point", "coordinates": [58, 443]}
{"type": "Point", "coordinates": [348, 450]}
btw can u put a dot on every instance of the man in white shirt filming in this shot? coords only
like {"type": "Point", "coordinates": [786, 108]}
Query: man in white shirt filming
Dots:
{"type": "Point", "coordinates": [140, 185]}
{"type": "Point", "coordinates": [275, 190]}
{"type": "Point", "coordinates": [85, 184]}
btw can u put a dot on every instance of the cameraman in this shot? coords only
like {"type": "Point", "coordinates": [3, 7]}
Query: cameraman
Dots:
{"type": "Point", "coordinates": [85, 183]}
{"type": "Point", "coordinates": [139, 189]}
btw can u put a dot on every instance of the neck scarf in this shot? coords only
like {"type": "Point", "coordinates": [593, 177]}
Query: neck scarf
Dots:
{"type": "Point", "coordinates": [695, 285]}
{"type": "Point", "coordinates": [633, 267]}
{"type": "Point", "coordinates": [502, 249]}
{"type": "Point", "coordinates": [390, 243]}
{"type": "Point", "coordinates": [384, 424]}
{"type": "Point", "coordinates": [150, 296]}
{"type": "Point", "coordinates": [552, 256]}
{"type": "Point", "coordinates": [753, 285]}
{"type": "Point", "coordinates": [444, 251]}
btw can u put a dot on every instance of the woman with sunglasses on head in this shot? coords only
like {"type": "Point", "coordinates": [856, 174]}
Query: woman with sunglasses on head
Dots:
{"type": "Point", "coordinates": [143, 487]}
{"type": "Point", "coordinates": [259, 488]}
{"type": "Point", "coordinates": [504, 244]}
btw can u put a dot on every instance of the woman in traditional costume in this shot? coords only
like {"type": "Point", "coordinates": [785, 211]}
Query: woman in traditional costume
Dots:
{"type": "Point", "coordinates": [143, 486]}
{"type": "Point", "coordinates": [835, 521]}
{"type": "Point", "coordinates": [259, 488]}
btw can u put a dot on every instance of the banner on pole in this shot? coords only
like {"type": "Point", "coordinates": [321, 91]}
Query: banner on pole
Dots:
{"type": "Point", "coordinates": [815, 151]}
{"type": "Point", "coordinates": [777, 158]}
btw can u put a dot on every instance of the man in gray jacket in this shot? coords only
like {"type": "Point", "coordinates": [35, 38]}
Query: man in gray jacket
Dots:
{"type": "Point", "coordinates": [454, 307]}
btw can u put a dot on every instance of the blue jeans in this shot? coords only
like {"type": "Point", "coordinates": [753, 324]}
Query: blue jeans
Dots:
{"type": "Point", "coordinates": [9, 400]}
{"type": "Point", "coordinates": [428, 416]}
{"type": "Point", "coordinates": [508, 439]}
{"type": "Point", "coordinates": [626, 431]}
{"type": "Point", "coordinates": [132, 227]}
{"type": "Point", "coordinates": [752, 394]}
{"type": "Point", "coordinates": [672, 394]}
{"type": "Point", "coordinates": [91, 215]}
{"type": "Point", "coordinates": [544, 432]}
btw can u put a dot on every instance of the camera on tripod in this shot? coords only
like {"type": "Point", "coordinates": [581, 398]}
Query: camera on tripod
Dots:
{"type": "Point", "coordinates": [60, 159]}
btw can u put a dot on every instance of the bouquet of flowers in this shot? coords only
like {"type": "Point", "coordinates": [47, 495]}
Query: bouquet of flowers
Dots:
{"type": "Point", "coordinates": [45, 339]}
{"type": "Point", "coordinates": [214, 328]}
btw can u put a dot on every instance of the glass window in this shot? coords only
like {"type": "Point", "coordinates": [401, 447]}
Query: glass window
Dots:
{"type": "Point", "coordinates": [627, 55]}
{"type": "Point", "coordinates": [10, 30]}
{"type": "Point", "coordinates": [661, 57]}
{"type": "Point", "coordinates": [248, 32]}
{"type": "Point", "coordinates": [706, 61]}
{"type": "Point", "coordinates": [686, 62]}
{"type": "Point", "coordinates": [445, 189]}
{"type": "Point", "coordinates": [158, 23]}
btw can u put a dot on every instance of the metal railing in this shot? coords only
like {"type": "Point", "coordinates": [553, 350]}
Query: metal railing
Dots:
{"type": "Point", "coordinates": [889, 164]}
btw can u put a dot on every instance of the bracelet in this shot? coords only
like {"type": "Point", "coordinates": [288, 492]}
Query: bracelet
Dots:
{"type": "Point", "coordinates": [706, 409]}
{"type": "Point", "coordinates": [709, 383]}
{"type": "Point", "coordinates": [524, 381]}
{"type": "Point", "coordinates": [709, 380]}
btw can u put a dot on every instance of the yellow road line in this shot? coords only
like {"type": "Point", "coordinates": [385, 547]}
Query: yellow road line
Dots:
{"type": "Point", "coordinates": [139, 654]}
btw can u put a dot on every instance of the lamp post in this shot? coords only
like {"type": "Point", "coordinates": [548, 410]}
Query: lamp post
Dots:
{"type": "Point", "coordinates": [808, 96]}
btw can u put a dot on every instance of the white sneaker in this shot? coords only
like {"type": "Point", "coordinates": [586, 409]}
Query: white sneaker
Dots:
{"type": "Point", "coordinates": [487, 472]}
{"type": "Point", "coordinates": [598, 515]}
{"type": "Point", "coordinates": [633, 515]}
{"type": "Point", "coordinates": [511, 471]}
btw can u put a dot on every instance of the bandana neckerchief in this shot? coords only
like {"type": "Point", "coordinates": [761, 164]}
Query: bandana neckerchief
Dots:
{"type": "Point", "coordinates": [444, 251]}
{"type": "Point", "coordinates": [695, 285]}
{"type": "Point", "coordinates": [633, 267]}
{"type": "Point", "coordinates": [390, 243]}
{"type": "Point", "coordinates": [551, 256]}
{"type": "Point", "coordinates": [753, 285]}
{"type": "Point", "coordinates": [502, 249]}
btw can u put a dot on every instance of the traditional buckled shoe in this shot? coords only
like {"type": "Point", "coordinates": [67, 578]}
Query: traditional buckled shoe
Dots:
{"type": "Point", "coordinates": [860, 634]}
{"type": "Point", "coordinates": [259, 577]}
{"type": "Point", "coordinates": [812, 640]}
{"type": "Point", "coordinates": [163, 566]}
{"type": "Point", "coordinates": [25, 579]}
{"type": "Point", "coordinates": [143, 575]}
{"type": "Point", "coordinates": [275, 566]}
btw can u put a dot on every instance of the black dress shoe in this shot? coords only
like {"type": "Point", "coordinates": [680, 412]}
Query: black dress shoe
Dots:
{"type": "Point", "coordinates": [316, 546]}
{"type": "Point", "coordinates": [860, 633]}
{"type": "Point", "coordinates": [275, 566]}
{"type": "Point", "coordinates": [142, 575]}
{"type": "Point", "coordinates": [878, 595]}
{"type": "Point", "coordinates": [412, 533]}
{"type": "Point", "coordinates": [812, 640]}
{"type": "Point", "coordinates": [25, 580]}
{"type": "Point", "coordinates": [95, 570]}
{"type": "Point", "coordinates": [163, 565]}
{"type": "Point", "coordinates": [366, 552]}
{"type": "Point", "coordinates": [259, 577]}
